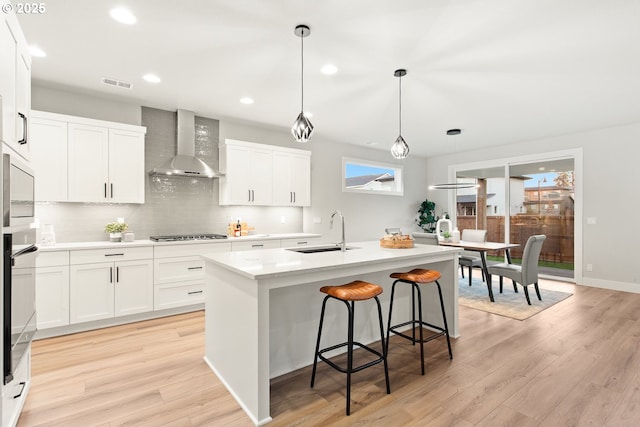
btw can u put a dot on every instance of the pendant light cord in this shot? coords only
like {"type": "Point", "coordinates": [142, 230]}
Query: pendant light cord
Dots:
{"type": "Point", "coordinates": [302, 71]}
{"type": "Point", "coordinates": [400, 106]}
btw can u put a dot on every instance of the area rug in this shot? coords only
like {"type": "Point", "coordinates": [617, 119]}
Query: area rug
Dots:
{"type": "Point", "coordinates": [508, 303]}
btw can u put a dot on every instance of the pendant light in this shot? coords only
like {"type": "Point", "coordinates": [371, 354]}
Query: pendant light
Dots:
{"type": "Point", "coordinates": [453, 185]}
{"type": "Point", "coordinates": [400, 149]}
{"type": "Point", "coordinates": [302, 128]}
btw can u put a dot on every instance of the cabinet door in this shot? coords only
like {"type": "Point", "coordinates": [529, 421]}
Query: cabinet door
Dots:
{"type": "Point", "coordinates": [261, 178]}
{"type": "Point", "coordinates": [126, 166]}
{"type": "Point", "coordinates": [88, 163]}
{"type": "Point", "coordinates": [8, 54]}
{"type": "Point", "coordinates": [133, 287]}
{"type": "Point", "coordinates": [301, 180]}
{"type": "Point", "coordinates": [49, 159]}
{"type": "Point", "coordinates": [23, 102]}
{"type": "Point", "coordinates": [52, 296]}
{"type": "Point", "coordinates": [91, 292]}
{"type": "Point", "coordinates": [282, 191]}
{"type": "Point", "coordinates": [235, 185]}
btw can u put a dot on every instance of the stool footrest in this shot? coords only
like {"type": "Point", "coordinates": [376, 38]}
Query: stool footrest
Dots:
{"type": "Point", "coordinates": [356, 368]}
{"type": "Point", "coordinates": [417, 340]}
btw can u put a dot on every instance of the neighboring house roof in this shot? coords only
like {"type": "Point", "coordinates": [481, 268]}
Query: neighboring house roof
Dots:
{"type": "Point", "coordinates": [471, 198]}
{"type": "Point", "coordinates": [358, 181]}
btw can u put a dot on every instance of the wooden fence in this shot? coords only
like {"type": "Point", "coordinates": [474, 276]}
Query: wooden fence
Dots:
{"type": "Point", "coordinates": [558, 247]}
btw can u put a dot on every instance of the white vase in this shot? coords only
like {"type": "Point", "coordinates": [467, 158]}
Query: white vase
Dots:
{"type": "Point", "coordinates": [115, 237]}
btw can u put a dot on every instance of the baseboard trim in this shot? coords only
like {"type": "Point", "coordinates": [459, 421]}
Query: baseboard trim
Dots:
{"type": "Point", "coordinates": [611, 284]}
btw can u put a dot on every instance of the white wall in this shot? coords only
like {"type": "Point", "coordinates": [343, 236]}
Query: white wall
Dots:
{"type": "Point", "coordinates": [57, 100]}
{"type": "Point", "coordinates": [610, 188]}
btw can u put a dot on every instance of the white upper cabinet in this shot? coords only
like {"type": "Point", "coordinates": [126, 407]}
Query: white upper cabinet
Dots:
{"type": "Point", "coordinates": [49, 139]}
{"type": "Point", "coordinates": [15, 85]}
{"type": "Point", "coordinates": [85, 160]}
{"type": "Point", "coordinates": [126, 166]}
{"type": "Point", "coordinates": [88, 163]}
{"type": "Point", "coordinates": [265, 175]}
{"type": "Point", "coordinates": [292, 178]}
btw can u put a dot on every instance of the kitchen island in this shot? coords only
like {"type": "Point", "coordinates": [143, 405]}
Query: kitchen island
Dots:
{"type": "Point", "coordinates": [262, 308]}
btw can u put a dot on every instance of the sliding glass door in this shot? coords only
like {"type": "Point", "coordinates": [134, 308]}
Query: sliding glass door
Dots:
{"type": "Point", "coordinates": [518, 199]}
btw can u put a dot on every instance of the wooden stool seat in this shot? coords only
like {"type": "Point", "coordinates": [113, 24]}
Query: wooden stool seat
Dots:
{"type": "Point", "coordinates": [348, 294]}
{"type": "Point", "coordinates": [418, 275]}
{"type": "Point", "coordinates": [354, 291]}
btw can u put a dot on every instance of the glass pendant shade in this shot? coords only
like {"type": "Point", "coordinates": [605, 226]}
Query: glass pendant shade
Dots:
{"type": "Point", "coordinates": [399, 149]}
{"type": "Point", "coordinates": [302, 128]}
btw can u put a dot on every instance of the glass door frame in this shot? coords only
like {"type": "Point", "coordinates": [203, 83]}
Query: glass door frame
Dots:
{"type": "Point", "coordinates": [575, 154]}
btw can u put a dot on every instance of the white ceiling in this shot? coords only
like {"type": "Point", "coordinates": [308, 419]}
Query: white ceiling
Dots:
{"type": "Point", "coordinates": [501, 70]}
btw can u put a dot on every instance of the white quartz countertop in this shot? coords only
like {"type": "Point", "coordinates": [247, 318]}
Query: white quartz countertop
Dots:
{"type": "Point", "coordinates": [146, 242]}
{"type": "Point", "coordinates": [268, 263]}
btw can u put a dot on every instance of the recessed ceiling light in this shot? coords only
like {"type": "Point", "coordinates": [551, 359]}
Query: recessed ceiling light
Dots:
{"type": "Point", "coordinates": [328, 69]}
{"type": "Point", "coordinates": [541, 168]}
{"type": "Point", "coordinates": [370, 143]}
{"type": "Point", "coordinates": [36, 51]}
{"type": "Point", "coordinates": [123, 16]}
{"type": "Point", "coordinates": [151, 78]}
{"type": "Point", "coordinates": [246, 100]}
{"type": "Point", "coordinates": [308, 114]}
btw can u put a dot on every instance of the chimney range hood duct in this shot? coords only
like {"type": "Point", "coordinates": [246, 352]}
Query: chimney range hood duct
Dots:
{"type": "Point", "coordinates": [185, 163]}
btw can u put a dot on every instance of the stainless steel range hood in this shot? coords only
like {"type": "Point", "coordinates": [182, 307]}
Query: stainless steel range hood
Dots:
{"type": "Point", "coordinates": [185, 163]}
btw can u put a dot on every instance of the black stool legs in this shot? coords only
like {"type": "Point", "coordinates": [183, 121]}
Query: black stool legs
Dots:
{"type": "Point", "coordinates": [382, 356]}
{"type": "Point", "coordinates": [415, 289]}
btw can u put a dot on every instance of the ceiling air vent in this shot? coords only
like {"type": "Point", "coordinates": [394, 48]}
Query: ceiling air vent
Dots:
{"type": "Point", "coordinates": [117, 83]}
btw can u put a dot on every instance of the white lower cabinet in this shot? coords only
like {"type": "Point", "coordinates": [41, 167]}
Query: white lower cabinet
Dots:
{"type": "Point", "coordinates": [108, 289]}
{"type": "Point", "coordinates": [52, 289]}
{"type": "Point", "coordinates": [296, 243]}
{"type": "Point", "coordinates": [14, 394]}
{"type": "Point", "coordinates": [178, 272]}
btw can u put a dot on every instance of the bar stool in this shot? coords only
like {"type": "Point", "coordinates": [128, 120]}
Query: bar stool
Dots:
{"type": "Point", "coordinates": [349, 293]}
{"type": "Point", "coordinates": [414, 278]}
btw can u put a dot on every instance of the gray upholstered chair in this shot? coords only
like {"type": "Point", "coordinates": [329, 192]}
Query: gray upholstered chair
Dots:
{"type": "Point", "coordinates": [425, 238]}
{"type": "Point", "coordinates": [525, 274]}
{"type": "Point", "coordinates": [471, 259]}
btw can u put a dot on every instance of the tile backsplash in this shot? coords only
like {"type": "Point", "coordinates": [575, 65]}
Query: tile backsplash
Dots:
{"type": "Point", "coordinates": [173, 205]}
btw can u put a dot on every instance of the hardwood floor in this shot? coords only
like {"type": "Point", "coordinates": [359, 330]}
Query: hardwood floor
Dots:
{"type": "Point", "coordinates": [575, 364]}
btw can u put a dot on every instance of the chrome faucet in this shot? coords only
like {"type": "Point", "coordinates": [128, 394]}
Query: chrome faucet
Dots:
{"type": "Point", "coordinates": [341, 243]}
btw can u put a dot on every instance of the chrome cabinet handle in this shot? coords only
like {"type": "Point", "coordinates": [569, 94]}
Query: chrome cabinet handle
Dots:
{"type": "Point", "coordinates": [249, 199]}
{"type": "Point", "coordinates": [257, 246]}
{"type": "Point", "coordinates": [25, 129]}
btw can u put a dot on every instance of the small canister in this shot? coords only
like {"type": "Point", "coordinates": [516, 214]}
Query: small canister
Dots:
{"type": "Point", "coordinates": [129, 236]}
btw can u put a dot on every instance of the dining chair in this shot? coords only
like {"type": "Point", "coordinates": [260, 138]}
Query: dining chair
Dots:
{"type": "Point", "coordinates": [425, 238]}
{"type": "Point", "coordinates": [471, 259]}
{"type": "Point", "coordinates": [525, 274]}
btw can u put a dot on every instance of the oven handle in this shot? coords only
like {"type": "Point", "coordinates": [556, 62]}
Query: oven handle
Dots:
{"type": "Point", "coordinates": [25, 251]}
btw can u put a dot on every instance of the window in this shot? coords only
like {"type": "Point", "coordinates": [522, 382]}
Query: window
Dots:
{"type": "Point", "coordinates": [364, 176]}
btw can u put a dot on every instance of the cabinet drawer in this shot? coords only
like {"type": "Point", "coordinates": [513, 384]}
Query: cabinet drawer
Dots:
{"type": "Point", "coordinates": [88, 256]}
{"type": "Point", "coordinates": [178, 294]}
{"type": "Point", "coordinates": [52, 259]}
{"type": "Point", "coordinates": [14, 394]}
{"type": "Point", "coordinates": [168, 270]}
{"type": "Point", "coordinates": [194, 249]}
{"type": "Point", "coordinates": [292, 243]}
{"type": "Point", "coordinates": [260, 244]}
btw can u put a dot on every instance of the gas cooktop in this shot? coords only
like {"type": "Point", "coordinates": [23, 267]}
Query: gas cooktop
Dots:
{"type": "Point", "coordinates": [182, 237]}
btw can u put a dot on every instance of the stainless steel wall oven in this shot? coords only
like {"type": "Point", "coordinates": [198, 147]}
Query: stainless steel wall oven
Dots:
{"type": "Point", "coordinates": [19, 256]}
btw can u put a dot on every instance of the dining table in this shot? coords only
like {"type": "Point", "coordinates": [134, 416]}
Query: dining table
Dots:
{"type": "Point", "coordinates": [482, 248]}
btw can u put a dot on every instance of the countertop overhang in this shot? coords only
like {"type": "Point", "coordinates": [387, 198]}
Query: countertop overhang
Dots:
{"type": "Point", "coordinates": [271, 263]}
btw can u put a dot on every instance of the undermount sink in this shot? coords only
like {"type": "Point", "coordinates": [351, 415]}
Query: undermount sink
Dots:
{"type": "Point", "coordinates": [317, 249]}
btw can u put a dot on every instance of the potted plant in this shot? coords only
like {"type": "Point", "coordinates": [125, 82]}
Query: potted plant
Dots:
{"type": "Point", "coordinates": [447, 236]}
{"type": "Point", "coordinates": [427, 218]}
{"type": "Point", "coordinates": [115, 230]}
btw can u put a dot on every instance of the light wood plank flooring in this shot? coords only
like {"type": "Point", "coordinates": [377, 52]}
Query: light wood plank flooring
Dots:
{"type": "Point", "coordinates": [575, 364]}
